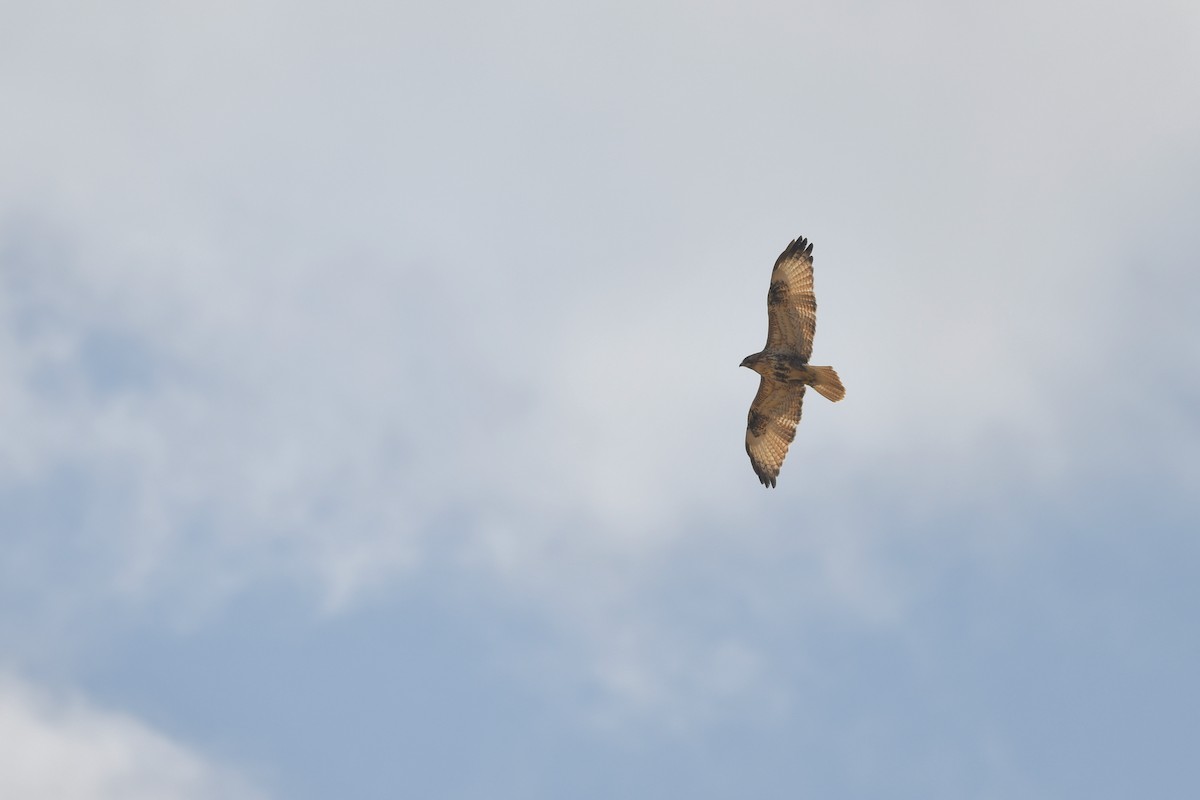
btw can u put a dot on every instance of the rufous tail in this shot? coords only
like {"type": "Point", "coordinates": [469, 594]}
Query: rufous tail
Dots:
{"type": "Point", "coordinates": [827, 382]}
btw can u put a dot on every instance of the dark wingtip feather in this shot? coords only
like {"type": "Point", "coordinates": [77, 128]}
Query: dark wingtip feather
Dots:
{"type": "Point", "coordinates": [763, 478]}
{"type": "Point", "coordinates": [797, 247]}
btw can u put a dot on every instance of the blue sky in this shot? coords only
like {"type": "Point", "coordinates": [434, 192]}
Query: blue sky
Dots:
{"type": "Point", "coordinates": [373, 426]}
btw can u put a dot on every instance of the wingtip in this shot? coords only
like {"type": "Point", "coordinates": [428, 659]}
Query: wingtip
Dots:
{"type": "Point", "coordinates": [799, 246]}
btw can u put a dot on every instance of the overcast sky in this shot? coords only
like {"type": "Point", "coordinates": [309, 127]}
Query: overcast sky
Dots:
{"type": "Point", "coordinates": [372, 425]}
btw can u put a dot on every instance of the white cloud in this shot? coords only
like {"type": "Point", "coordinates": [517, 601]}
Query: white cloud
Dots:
{"type": "Point", "coordinates": [57, 746]}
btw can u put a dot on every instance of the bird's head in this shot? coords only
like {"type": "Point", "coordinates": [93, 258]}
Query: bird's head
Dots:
{"type": "Point", "coordinates": [750, 361]}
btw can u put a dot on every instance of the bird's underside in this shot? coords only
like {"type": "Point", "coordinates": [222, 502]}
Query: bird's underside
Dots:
{"type": "Point", "coordinates": [783, 363]}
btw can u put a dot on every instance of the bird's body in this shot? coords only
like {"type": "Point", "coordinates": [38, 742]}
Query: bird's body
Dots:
{"type": "Point", "coordinates": [783, 363]}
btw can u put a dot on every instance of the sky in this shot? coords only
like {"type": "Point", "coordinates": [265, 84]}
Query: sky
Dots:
{"type": "Point", "coordinates": [372, 424]}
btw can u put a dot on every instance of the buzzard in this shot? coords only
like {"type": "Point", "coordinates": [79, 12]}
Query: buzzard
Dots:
{"type": "Point", "coordinates": [783, 363]}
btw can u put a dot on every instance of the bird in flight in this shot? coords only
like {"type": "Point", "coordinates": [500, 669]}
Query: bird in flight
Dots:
{"type": "Point", "coordinates": [783, 363]}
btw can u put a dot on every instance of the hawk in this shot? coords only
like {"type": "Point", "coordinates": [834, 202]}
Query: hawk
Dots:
{"type": "Point", "coordinates": [783, 363]}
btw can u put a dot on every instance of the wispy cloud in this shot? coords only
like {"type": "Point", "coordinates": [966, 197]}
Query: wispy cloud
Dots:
{"type": "Point", "coordinates": [60, 747]}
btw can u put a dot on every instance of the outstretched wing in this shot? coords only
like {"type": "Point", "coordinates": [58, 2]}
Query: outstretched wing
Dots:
{"type": "Point", "coordinates": [791, 306]}
{"type": "Point", "coordinates": [771, 426]}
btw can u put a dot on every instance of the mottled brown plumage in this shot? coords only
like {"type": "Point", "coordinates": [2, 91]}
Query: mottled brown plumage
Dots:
{"type": "Point", "coordinates": [783, 363]}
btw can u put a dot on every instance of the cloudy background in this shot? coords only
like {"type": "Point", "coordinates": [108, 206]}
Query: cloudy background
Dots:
{"type": "Point", "coordinates": [372, 425]}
